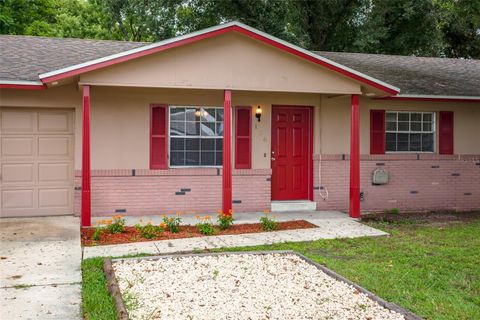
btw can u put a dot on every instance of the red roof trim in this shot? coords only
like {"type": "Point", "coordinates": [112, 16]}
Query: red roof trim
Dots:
{"type": "Point", "coordinates": [23, 86]}
{"type": "Point", "coordinates": [214, 33]}
{"type": "Point", "coordinates": [431, 99]}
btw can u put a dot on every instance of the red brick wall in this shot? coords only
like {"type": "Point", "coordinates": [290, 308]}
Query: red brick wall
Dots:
{"type": "Point", "coordinates": [167, 191]}
{"type": "Point", "coordinates": [429, 182]}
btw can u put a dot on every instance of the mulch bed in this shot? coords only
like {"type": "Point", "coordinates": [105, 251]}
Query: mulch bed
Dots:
{"type": "Point", "coordinates": [436, 217]}
{"type": "Point", "coordinates": [131, 234]}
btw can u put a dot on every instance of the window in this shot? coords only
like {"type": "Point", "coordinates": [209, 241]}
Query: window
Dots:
{"type": "Point", "coordinates": [410, 131]}
{"type": "Point", "coordinates": [196, 136]}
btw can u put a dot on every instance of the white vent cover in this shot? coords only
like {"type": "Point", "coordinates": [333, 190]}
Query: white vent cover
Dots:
{"type": "Point", "coordinates": [380, 176]}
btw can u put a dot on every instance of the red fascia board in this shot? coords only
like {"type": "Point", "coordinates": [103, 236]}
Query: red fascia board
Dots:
{"type": "Point", "coordinates": [135, 55]}
{"type": "Point", "coordinates": [23, 86]}
{"type": "Point", "coordinates": [213, 34]}
{"type": "Point", "coordinates": [431, 99]}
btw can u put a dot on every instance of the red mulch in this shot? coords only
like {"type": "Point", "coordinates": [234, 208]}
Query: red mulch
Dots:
{"type": "Point", "coordinates": [132, 235]}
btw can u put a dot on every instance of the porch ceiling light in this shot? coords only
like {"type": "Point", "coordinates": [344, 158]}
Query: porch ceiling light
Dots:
{"type": "Point", "coordinates": [198, 113]}
{"type": "Point", "coordinates": [258, 113]}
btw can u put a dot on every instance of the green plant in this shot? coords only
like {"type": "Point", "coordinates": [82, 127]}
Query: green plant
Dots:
{"type": "Point", "coordinates": [149, 231]}
{"type": "Point", "coordinates": [392, 211]}
{"type": "Point", "coordinates": [225, 221]}
{"type": "Point", "coordinates": [98, 232]}
{"type": "Point", "coordinates": [173, 223]}
{"type": "Point", "coordinates": [268, 222]}
{"type": "Point", "coordinates": [205, 226]}
{"type": "Point", "coordinates": [116, 225]}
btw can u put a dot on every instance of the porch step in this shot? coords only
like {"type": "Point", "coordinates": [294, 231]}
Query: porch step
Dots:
{"type": "Point", "coordinates": [293, 205]}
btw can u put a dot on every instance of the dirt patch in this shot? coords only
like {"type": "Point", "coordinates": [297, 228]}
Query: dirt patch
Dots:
{"type": "Point", "coordinates": [131, 234]}
{"type": "Point", "coordinates": [434, 218]}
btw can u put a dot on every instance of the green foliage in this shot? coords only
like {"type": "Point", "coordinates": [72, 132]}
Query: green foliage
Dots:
{"type": "Point", "coordinates": [117, 225]}
{"type": "Point", "coordinates": [268, 222]}
{"type": "Point", "coordinates": [172, 223]}
{"type": "Point", "coordinates": [98, 232]}
{"type": "Point", "coordinates": [225, 221]}
{"type": "Point", "coordinates": [149, 231]}
{"type": "Point", "coordinates": [392, 211]}
{"type": "Point", "coordinates": [205, 227]}
{"type": "Point", "coordinates": [408, 27]}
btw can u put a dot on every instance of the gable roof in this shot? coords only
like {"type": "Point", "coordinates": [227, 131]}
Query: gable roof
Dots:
{"type": "Point", "coordinates": [26, 60]}
{"type": "Point", "coordinates": [53, 75]}
{"type": "Point", "coordinates": [416, 75]}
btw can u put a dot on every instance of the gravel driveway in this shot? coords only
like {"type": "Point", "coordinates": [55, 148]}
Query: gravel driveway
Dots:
{"type": "Point", "coordinates": [239, 286]}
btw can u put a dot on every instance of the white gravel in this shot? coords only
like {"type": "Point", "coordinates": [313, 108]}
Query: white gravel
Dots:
{"type": "Point", "coordinates": [239, 286]}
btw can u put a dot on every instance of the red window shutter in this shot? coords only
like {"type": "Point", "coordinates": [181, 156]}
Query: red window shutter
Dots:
{"type": "Point", "coordinates": [377, 131]}
{"type": "Point", "coordinates": [243, 137]}
{"type": "Point", "coordinates": [158, 137]}
{"type": "Point", "coordinates": [445, 136]}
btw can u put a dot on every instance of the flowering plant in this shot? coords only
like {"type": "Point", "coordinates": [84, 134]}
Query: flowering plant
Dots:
{"type": "Point", "coordinates": [150, 231]}
{"type": "Point", "coordinates": [116, 224]}
{"type": "Point", "coordinates": [205, 225]}
{"type": "Point", "coordinates": [268, 221]}
{"type": "Point", "coordinates": [173, 223]}
{"type": "Point", "coordinates": [224, 220]}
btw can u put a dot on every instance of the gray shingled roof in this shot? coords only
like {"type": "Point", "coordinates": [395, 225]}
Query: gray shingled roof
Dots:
{"type": "Point", "coordinates": [416, 75]}
{"type": "Point", "coordinates": [25, 57]}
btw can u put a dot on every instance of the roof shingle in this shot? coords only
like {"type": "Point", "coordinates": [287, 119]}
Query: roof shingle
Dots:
{"type": "Point", "coordinates": [25, 57]}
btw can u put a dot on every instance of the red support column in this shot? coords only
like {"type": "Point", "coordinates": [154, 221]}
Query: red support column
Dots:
{"type": "Point", "coordinates": [227, 153]}
{"type": "Point", "coordinates": [355, 158]}
{"type": "Point", "coordinates": [86, 205]}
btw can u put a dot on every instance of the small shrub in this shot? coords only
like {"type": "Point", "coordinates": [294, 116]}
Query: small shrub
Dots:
{"type": "Point", "coordinates": [173, 223]}
{"type": "Point", "coordinates": [116, 225]}
{"type": "Point", "coordinates": [97, 234]}
{"type": "Point", "coordinates": [149, 231]}
{"type": "Point", "coordinates": [225, 221]}
{"type": "Point", "coordinates": [392, 211]}
{"type": "Point", "coordinates": [205, 226]}
{"type": "Point", "coordinates": [268, 222]}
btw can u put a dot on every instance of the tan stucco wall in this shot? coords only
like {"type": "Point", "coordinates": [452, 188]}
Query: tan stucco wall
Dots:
{"type": "Point", "coordinates": [228, 61]}
{"type": "Point", "coordinates": [335, 123]}
{"type": "Point", "coordinates": [120, 119]}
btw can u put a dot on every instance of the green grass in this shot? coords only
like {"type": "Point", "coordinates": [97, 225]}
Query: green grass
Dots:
{"type": "Point", "coordinates": [432, 271]}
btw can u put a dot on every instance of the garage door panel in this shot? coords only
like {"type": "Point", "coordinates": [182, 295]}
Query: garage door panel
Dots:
{"type": "Point", "coordinates": [18, 173]}
{"type": "Point", "coordinates": [54, 122]}
{"type": "Point", "coordinates": [36, 162]}
{"type": "Point", "coordinates": [18, 122]}
{"type": "Point", "coordinates": [18, 199]}
{"type": "Point", "coordinates": [54, 173]}
{"type": "Point", "coordinates": [55, 146]}
{"type": "Point", "coordinates": [18, 146]}
{"type": "Point", "coordinates": [53, 198]}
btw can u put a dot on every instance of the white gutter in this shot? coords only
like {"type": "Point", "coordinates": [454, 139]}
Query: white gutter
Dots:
{"type": "Point", "coordinates": [21, 83]}
{"type": "Point", "coordinates": [211, 29]}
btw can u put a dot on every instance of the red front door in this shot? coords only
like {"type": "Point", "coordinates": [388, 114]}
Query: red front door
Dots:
{"type": "Point", "coordinates": [291, 152]}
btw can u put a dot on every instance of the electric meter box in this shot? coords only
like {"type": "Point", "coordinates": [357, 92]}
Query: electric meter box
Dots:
{"type": "Point", "coordinates": [379, 176]}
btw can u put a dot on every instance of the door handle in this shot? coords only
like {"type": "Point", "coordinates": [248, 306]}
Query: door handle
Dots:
{"type": "Point", "coordinates": [273, 159]}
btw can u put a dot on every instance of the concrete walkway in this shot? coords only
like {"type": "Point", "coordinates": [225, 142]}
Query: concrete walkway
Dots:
{"type": "Point", "coordinates": [40, 268]}
{"type": "Point", "coordinates": [330, 225]}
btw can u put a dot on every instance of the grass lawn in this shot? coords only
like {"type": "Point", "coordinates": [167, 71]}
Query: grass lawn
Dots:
{"type": "Point", "coordinates": [434, 271]}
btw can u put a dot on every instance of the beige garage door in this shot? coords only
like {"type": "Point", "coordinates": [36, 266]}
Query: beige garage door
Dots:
{"type": "Point", "coordinates": [36, 171]}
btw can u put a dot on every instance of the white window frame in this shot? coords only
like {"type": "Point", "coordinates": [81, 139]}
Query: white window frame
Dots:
{"type": "Point", "coordinates": [433, 131]}
{"type": "Point", "coordinates": [170, 106]}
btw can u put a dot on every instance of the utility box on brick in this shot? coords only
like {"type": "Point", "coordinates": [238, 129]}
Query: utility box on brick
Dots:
{"type": "Point", "coordinates": [379, 176]}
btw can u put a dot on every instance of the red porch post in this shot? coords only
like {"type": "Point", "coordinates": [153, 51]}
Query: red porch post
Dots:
{"type": "Point", "coordinates": [86, 205]}
{"type": "Point", "coordinates": [227, 153]}
{"type": "Point", "coordinates": [355, 158]}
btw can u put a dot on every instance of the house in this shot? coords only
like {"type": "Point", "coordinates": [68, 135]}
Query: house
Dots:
{"type": "Point", "coordinates": [232, 118]}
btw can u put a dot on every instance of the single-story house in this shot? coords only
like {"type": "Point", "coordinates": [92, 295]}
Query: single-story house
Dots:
{"type": "Point", "coordinates": [232, 118]}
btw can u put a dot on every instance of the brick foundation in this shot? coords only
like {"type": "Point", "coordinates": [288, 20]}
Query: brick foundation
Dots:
{"type": "Point", "coordinates": [140, 192]}
{"type": "Point", "coordinates": [416, 182]}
